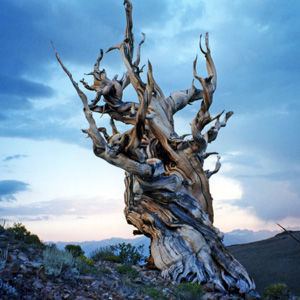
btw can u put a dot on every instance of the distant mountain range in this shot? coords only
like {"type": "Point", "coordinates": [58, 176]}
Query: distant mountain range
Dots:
{"type": "Point", "coordinates": [237, 236]}
{"type": "Point", "coordinates": [89, 246]}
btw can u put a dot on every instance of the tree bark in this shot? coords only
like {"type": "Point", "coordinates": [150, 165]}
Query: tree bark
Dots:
{"type": "Point", "coordinates": [167, 194]}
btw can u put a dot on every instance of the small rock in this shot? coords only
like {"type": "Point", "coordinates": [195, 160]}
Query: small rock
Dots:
{"type": "Point", "coordinates": [115, 285]}
{"type": "Point", "coordinates": [6, 275]}
{"type": "Point", "coordinates": [23, 269]}
{"type": "Point", "coordinates": [41, 273]}
{"type": "Point", "coordinates": [95, 284]}
{"type": "Point", "coordinates": [67, 296]}
{"type": "Point", "coordinates": [38, 284]}
{"type": "Point", "coordinates": [209, 287]}
{"type": "Point", "coordinates": [87, 279]}
{"type": "Point", "coordinates": [15, 267]}
{"type": "Point", "coordinates": [11, 257]}
{"type": "Point", "coordinates": [209, 296]}
{"type": "Point", "coordinates": [23, 257]}
{"type": "Point", "coordinates": [138, 280]}
{"type": "Point", "coordinates": [33, 264]}
{"type": "Point", "coordinates": [153, 280]}
{"type": "Point", "coordinates": [28, 286]}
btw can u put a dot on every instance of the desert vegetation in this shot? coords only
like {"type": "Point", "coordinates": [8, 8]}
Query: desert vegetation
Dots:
{"type": "Point", "coordinates": [123, 253]}
{"type": "Point", "coordinates": [27, 266]}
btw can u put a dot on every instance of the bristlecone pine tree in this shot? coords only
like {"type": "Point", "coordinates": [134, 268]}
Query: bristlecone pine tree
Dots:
{"type": "Point", "coordinates": [167, 193]}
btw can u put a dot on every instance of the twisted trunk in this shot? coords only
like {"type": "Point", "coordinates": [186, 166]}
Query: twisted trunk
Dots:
{"type": "Point", "coordinates": [167, 193]}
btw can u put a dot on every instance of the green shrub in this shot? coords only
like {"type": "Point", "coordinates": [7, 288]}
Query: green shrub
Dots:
{"type": "Point", "coordinates": [101, 253]}
{"type": "Point", "coordinates": [34, 240]}
{"type": "Point", "coordinates": [20, 233]}
{"type": "Point", "coordinates": [88, 261]}
{"type": "Point", "coordinates": [112, 258]}
{"type": "Point", "coordinates": [120, 253]}
{"type": "Point", "coordinates": [155, 293]}
{"type": "Point", "coordinates": [128, 270]}
{"type": "Point", "coordinates": [128, 254]}
{"type": "Point", "coordinates": [75, 250]}
{"type": "Point", "coordinates": [55, 260]}
{"type": "Point", "coordinates": [85, 265]}
{"type": "Point", "coordinates": [189, 291]}
{"type": "Point", "coordinates": [104, 270]}
{"type": "Point", "coordinates": [279, 291]}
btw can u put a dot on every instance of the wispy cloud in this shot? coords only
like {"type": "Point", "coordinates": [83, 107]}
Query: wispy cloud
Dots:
{"type": "Point", "coordinates": [76, 207]}
{"type": "Point", "coordinates": [8, 189]}
{"type": "Point", "coordinates": [12, 157]}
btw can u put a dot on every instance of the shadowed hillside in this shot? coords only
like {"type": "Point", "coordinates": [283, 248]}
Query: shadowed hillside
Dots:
{"type": "Point", "coordinates": [273, 260]}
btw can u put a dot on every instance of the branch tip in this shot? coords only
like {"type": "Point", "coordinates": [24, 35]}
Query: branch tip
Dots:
{"type": "Point", "coordinates": [201, 49]}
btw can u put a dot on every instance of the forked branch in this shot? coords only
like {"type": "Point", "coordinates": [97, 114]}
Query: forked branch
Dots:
{"type": "Point", "coordinates": [203, 117]}
{"type": "Point", "coordinates": [108, 151]}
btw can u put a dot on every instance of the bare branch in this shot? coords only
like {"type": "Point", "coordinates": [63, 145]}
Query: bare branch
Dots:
{"type": "Point", "coordinates": [138, 54]}
{"type": "Point", "coordinates": [207, 154]}
{"type": "Point", "coordinates": [113, 126]}
{"type": "Point", "coordinates": [145, 97]}
{"type": "Point", "coordinates": [93, 131]}
{"type": "Point", "coordinates": [216, 170]}
{"type": "Point", "coordinates": [203, 117]}
{"type": "Point", "coordinates": [209, 84]}
{"type": "Point", "coordinates": [128, 35]}
{"type": "Point", "coordinates": [289, 233]}
{"type": "Point", "coordinates": [180, 99]}
{"type": "Point", "coordinates": [213, 131]}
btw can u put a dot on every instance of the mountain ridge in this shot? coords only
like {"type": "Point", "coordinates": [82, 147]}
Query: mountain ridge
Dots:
{"type": "Point", "coordinates": [273, 260]}
{"type": "Point", "coordinates": [237, 236]}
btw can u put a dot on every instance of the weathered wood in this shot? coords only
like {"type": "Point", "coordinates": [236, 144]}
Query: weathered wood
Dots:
{"type": "Point", "coordinates": [167, 194]}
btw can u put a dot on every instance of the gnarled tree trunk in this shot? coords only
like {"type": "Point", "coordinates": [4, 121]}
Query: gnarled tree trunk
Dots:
{"type": "Point", "coordinates": [167, 193]}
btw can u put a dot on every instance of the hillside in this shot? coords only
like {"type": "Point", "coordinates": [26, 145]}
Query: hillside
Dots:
{"type": "Point", "coordinates": [273, 260]}
{"type": "Point", "coordinates": [31, 270]}
{"type": "Point", "coordinates": [28, 272]}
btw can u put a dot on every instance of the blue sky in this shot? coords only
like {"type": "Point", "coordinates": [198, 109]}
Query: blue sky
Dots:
{"type": "Point", "coordinates": [49, 177]}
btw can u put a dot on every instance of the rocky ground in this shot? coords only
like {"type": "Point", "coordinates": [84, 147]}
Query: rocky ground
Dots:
{"type": "Point", "coordinates": [23, 276]}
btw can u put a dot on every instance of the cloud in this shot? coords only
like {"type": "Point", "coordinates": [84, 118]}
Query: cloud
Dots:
{"type": "Point", "coordinates": [8, 188]}
{"type": "Point", "coordinates": [271, 200]}
{"type": "Point", "coordinates": [269, 188]}
{"type": "Point", "coordinates": [12, 157]}
{"type": "Point", "coordinates": [33, 219]}
{"type": "Point", "coordinates": [255, 49]}
{"type": "Point", "coordinates": [60, 207]}
{"type": "Point", "coordinates": [23, 87]}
